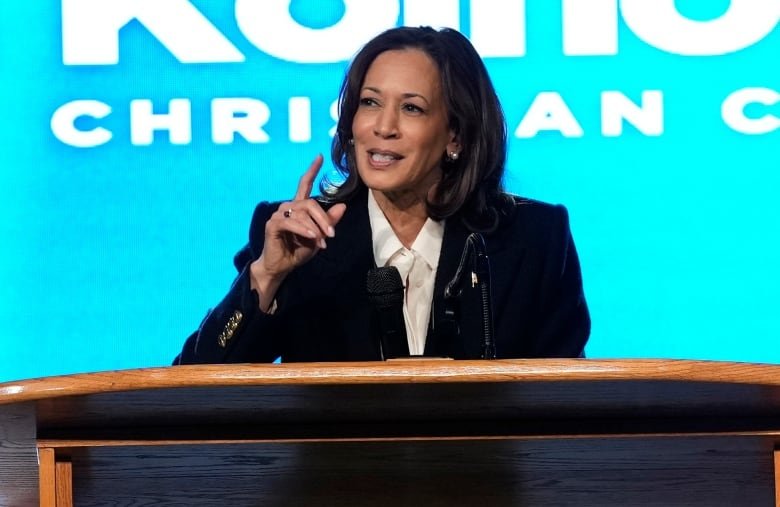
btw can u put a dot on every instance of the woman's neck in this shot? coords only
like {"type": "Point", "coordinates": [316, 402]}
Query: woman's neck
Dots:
{"type": "Point", "coordinates": [406, 213]}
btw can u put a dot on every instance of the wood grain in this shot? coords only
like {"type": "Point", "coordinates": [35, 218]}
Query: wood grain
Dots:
{"type": "Point", "coordinates": [664, 472]}
{"type": "Point", "coordinates": [777, 476]}
{"type": "Point", "coordinates": [47, 478]}
{"type": "Point", "coordinates": [437, 409]}
{"type": "Point", "coordinates": [19, 482]}
{"type": "Point", "coordinates": [64, 477]}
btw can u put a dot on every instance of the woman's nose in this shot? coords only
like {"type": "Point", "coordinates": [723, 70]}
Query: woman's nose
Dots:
{"type": "Point", "coordinates": [386, 125]}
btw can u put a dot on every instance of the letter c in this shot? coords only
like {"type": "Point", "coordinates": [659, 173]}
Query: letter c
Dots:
{"type": "Point", "coordinates": [63, 123]}
{"type": "Point", "coordinates": [733, 111]}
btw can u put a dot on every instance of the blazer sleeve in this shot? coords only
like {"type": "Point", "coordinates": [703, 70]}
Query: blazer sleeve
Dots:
{"type": "Point", "coordinates": [564, 325]}
{"type": "Point", "coordinates": [236, 331]}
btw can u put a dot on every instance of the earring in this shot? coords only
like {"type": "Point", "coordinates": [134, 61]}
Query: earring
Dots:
{"type": "Point", "coordinates": [453, 155]}
{"type": "Point", "coordinates": [351, 142]}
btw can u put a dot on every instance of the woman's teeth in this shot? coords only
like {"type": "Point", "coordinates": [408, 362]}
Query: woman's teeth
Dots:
{"type": "Point", "coordinates": [381, 157]}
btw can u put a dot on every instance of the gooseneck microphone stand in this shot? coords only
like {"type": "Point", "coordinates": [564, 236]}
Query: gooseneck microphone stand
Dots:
{"type": "Point", "coordinates": [475, 252]}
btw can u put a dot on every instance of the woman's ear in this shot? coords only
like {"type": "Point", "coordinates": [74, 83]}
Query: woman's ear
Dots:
{"type": "Point", "coordinates": [453, 148]}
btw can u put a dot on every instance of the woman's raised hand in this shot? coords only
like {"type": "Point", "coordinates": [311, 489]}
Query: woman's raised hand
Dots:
{"type": "Point", "coordinates": [296, 231]}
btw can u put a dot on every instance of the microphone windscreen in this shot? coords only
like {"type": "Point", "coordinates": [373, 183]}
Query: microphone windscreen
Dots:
{"type": "Point", "coordinates": [385, 287]}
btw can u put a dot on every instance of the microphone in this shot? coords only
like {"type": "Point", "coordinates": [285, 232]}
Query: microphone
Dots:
{"type": "Point", "coordinates": [475, 251]}
{"type": "Point", "coordinates": [386, 294]}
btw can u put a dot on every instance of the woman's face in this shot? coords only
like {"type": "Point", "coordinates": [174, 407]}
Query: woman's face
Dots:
{"type": "Point", "coordinates": [400, 128]}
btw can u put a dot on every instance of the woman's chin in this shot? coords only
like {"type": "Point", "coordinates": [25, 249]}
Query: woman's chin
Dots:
{"type": "Point", "coordinates": [378, 182]}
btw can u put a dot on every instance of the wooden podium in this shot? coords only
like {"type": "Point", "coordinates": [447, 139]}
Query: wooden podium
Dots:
{"type": "Point", "coordinates": [485, 433]}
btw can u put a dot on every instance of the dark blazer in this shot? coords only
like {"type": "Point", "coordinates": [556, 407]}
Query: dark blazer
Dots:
{"type": "Point", "coordinates": [323, 312]}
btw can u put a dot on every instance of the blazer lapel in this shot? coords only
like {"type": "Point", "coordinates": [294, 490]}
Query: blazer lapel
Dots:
{"type": "Point", "coordinates": [348, 255]}
{"type": "Point", "coordinates": [454, 322]}
{"type": "Point", "coordinates": [334, 281]}
{"type": "Point", "coordinates": [443, 332]}
{"type": "Point", "coordinates": [351, 249]}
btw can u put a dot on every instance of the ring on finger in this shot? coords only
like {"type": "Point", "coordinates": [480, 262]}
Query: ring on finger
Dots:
{"type": "Point", "coordinates": [288, 213]}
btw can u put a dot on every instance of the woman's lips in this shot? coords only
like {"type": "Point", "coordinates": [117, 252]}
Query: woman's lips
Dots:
{"type": "Point", "coordinates": [382, 158]}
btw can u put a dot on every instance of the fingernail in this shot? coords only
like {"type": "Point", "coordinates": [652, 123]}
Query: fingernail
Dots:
{"type": "Point", "coordinates": [311, 233]}
{"type": "Point", "coordinates": [323, 245]}
{"type": "Point", "coordinates": [331, 231]}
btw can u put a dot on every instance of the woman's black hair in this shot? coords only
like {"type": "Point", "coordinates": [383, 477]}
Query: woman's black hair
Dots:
{"type": "Point", "coordinates": [470, 186]}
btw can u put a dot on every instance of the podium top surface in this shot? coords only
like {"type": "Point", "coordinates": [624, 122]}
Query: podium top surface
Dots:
{"type": "Point", "coordinates": [410, 371]}
{"type": "Point", "coordinates": [410, 391]}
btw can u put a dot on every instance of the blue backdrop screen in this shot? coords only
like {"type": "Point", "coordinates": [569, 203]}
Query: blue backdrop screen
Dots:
{"type": "Point", "coordinates": [139, 134]}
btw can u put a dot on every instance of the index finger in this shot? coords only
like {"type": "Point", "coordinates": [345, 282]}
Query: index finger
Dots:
{"type": "Point", "coordinates": [306, 182]}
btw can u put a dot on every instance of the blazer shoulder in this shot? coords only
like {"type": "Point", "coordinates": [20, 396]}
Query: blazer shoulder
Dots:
{"type": "Point", "coordinates": [536, 214]}
{"type": "Point", "coordinates": [534, 204]}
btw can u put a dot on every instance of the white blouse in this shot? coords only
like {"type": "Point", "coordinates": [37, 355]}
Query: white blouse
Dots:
{"type": "Point", "coordinates": [416, 265]}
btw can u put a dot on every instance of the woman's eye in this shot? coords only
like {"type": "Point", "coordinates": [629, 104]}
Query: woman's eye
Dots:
{"type": "Point", "coordinates": [367, 101]}
{"type": "Point", "coordinates": [412, 108]}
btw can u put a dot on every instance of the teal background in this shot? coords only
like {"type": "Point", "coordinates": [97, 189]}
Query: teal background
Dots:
{"type": "Point", "coordinates": [110, 256]}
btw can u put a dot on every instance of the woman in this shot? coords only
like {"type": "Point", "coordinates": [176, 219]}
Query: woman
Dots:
{"type": "Point", "coordinates": [421, 142]}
